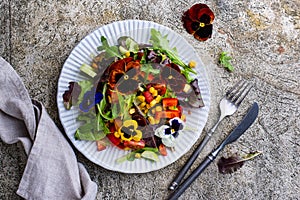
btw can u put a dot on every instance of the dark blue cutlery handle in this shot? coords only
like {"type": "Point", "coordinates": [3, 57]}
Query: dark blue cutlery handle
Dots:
{"type": "Point", "coordinates": [189, 163]}
{"type": "Point", "coordinates": [176, 194]}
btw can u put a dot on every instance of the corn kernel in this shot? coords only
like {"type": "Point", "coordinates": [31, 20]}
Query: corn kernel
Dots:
{"type": "Point", "coordinates": [131, 111]}
{"type": "Point", "coordinates": [151, 120]}
{"type": "Point", "coordinates": [141, 98]}
{"type": "Point", "coordinates": [155, 93]}
{"type": "Point", "coordinates": [127, 54]}
{"type": "Point", "coordinates": [151, 89]}
{"type": "Point", "coordinates": [153, 111]}
{"type": "Point", "coordinates": [158, 108]}
{"type": "Point", "coordinates": [157, 121]}
{"type": "Point", "coordinates": [146, 110]}
{"type": "Point", "coordinates": [148, 106]}
{"type": "Point", "coordinates": [158, 98]}
{"type": "Point", "coordinates": [142, 104]}
{"type": "Point", "coordinates": [192, 64]}
{"type": "Point", "coordinates": [183, 117]}
{"type": "Point", "coordinates": [137, 155]}
{"type": "Point", "coordinates": [152, 103]}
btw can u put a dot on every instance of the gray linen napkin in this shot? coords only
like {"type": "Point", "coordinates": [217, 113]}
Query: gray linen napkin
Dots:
{"type": "Point", "coordinates": [52, 171]}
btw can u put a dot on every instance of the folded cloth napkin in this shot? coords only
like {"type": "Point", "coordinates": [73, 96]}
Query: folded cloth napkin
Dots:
{"type": "Point", "coordinates": [52, 170]}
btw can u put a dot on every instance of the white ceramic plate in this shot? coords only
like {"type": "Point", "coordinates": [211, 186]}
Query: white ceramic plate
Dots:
{"type": "Point", "coordinates": [140, 31]}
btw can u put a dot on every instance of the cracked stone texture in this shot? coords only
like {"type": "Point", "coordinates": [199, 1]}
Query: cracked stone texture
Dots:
{"type": "Point", "coordinates": [262, 37]}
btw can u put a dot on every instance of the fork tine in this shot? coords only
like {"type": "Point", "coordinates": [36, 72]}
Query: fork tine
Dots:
{"type": "Point", "coordinates": [245, 93]}
{"type": "Point", "coordinates": [232, 92]}
{"type": "Point", "coordinates": [238, 92]}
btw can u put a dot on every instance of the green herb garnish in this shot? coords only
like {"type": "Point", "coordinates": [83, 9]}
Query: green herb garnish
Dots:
{"type": "Point", "coordinates": [225, 61]}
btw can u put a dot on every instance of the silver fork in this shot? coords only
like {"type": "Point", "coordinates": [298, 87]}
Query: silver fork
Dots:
{"type": "Point", "coordinates": [228, 105]}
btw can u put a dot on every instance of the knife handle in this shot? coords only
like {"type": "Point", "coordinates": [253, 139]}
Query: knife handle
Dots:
{"type": "Point", "coordinates": [176, 194]}
{"type": "Point", "coordinates": [189, 163]}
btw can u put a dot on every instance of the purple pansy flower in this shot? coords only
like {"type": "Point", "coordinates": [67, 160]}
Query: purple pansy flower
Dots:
{"type": "Point", "coordinates": [169, 132]}
{"type": "Point", "coordinates": [90, 99]}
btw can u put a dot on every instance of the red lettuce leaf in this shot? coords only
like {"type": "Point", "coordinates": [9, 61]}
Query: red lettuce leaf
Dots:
{"type": "Point", "coordinates": [233, 163]}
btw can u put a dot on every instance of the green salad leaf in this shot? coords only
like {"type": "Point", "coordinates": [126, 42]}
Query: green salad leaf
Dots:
{"type": "Point", "coordinates": [225, 61]}
{"type": "Point", "coordinates": [161, 43]}
{"type": "Point", "coordinates": [85, 86]}
{"type": "Point", "coordinates": [90, 130]}
{"type": "Point", "coordinates": [147, 68]}
{"type": "Point", "coordinates": [111, 51]}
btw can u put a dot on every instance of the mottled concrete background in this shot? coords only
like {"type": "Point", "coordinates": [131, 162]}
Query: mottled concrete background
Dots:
{"type": "Point", "coordinates": [262, 36]}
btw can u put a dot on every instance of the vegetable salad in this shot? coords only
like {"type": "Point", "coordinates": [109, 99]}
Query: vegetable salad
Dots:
{"type": "Point", "coordinates": [134, 97]}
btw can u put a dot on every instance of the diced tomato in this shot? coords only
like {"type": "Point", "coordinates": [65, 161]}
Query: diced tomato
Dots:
{"type": "Point", "coordinates": [100, 145]}
{"type": "Point", "coordinates": [161, 88]}
{"type": "Point", "coordinates": [169, 102]}
{"type": "Point", "coordinates": [150, 77]}
{"type": "Point", "coordinates": [148, 96]}
{"type": "Point", "coordinates": [162, 150]}
{"type": "Point", "coordinates": [134, 144]}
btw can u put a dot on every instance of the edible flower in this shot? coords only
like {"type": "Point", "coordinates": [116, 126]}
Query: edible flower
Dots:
{"type": "Point", "coordinates": [90, 99]}
{"type": "Point", "coordinates": [128, 131]}
{"type": "Point", "coordinates": [198, 21]}
{"type": "Point", "coordinates": [169, 132]}
{"type": "Point", "coordinates": [174, 79]}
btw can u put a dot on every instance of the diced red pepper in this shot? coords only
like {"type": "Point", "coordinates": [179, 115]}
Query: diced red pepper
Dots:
{"type": "Point", "coordinates": [113, 139]}
{"type": "Point", "coordinates": [148, 96]}
{"type": "Point", "coordinates": [169, 102]}
{"type": "Point", "coordinates": [168, 114]}
{"type": "Point", "coordinates": [162, 150]}
{"type": "Point", "coordinates": [134, 144]}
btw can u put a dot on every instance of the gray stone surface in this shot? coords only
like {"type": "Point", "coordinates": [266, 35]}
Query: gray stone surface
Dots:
{"type": "Point", "coordinates": [263, 37]}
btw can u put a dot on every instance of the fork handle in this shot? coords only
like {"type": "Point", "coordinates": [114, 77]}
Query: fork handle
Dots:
{"type": "Point", "coordinates": [190, 161]}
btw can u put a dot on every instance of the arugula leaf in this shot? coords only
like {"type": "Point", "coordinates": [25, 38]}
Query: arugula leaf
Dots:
{"type": "Point", "coordinates": [132, 45]}
{"type": "Point", "coordinates": [111, 51]}
{"type": "Point", "coordinates": [225, 61]}
{"type": "Point", "coordinates": [90, 129]}
{"type": "Point", "coordinates": [161, 43]}
{"type": "Point", "coordinates": [101, 106]}
{"type": "Point", "coordinates": [126, 103]}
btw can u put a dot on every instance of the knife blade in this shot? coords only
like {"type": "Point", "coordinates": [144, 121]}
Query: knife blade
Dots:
{"type": "Point", "coordinates": [246, 122]}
